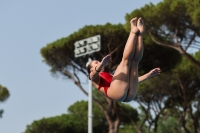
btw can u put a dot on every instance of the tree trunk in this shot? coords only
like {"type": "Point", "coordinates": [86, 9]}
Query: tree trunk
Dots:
{"type": "Point", "coordinates": [113, 126]}
{"type": "Point", "coordinates": [112, 116]}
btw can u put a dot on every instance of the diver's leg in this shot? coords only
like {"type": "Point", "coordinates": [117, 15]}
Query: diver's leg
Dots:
{"type": "Point", "coordinates": [120, 82]}
{"type": "Point", "coordinates": [135, 62]}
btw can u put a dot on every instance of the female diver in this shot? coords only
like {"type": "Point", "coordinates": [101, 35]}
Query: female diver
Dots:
{"type": "Point", "coordinates": [122, 86]}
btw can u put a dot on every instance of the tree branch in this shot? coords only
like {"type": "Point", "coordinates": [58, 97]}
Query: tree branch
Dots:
{"type": "Point", "coordinates": [175, 36]}
{"type": "Point", "coordinates": [191, 40]}
{"type": "Point", "coordinates": [192, 59]}
{"type": "Point", "coordinates": [67, 73]}
{"type": "Point", "coordinates": [180, 49]}
{"type": "Point", "coordinates": [146, 116]}
{"type": "Point", "coordinates": [136, 127]}
{"type": "Point", "coordinates": [173, 46]}
{"type": "Point", "coordinates": [183, 121]}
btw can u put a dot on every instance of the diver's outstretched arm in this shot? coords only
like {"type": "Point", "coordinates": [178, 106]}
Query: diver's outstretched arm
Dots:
{"type": "Point", "coordinates": [153, 72]}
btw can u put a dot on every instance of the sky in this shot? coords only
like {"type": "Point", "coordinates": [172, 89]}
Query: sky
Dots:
{"type": "Point", "coordinates": [25, 28]}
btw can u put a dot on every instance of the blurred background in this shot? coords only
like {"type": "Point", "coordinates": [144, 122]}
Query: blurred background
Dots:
{"type": "Point", "coordinates": [44, 88]}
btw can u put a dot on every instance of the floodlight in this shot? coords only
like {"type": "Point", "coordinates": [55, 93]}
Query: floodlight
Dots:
{"type": "Point", "coordinates": [87, 46]}
{"type": "Point", "coordinates": [94, 46]}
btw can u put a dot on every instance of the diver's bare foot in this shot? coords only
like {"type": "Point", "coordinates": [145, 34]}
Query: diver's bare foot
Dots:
{"type": "Point", "coordinates": [140, 25]}
{"type": "Point", "coordinates": [134, 28]}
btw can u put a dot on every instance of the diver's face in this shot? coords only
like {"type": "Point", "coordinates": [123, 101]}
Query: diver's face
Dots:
{"type": "Point", "coordinates": [94, 63]}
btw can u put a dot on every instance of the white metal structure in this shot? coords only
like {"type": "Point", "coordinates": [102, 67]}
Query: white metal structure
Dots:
{"type": "Point", "coordinates": [87, 46]}
{"type": "Point", "coordinates": [84, 47]}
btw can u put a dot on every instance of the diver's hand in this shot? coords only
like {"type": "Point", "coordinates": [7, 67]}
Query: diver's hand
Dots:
{"type": "Point", "coordinates": [154, 72]}
{"type": "Point", "coordinates": [105, 60]}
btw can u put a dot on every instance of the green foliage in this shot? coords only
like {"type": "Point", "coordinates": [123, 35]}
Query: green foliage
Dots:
{"type": "Point", "coordinates": [172, 22]}
{"type": "Point", "coordinates": [171, 125]}
{"type": "Point", "coordinates": [128, 112]}
{"type": "Point", "coordinates": [163, 17]}
{"type": "Point", "coordinates": [127, 129]}
{"type": "Point", "coordinates": [80, 111]}
{"type": "Point", "coordinates": [173, 91]}
{"type": "Point", "coordinates": [154, 89]}
{"type": "Point", "coordinates": [189, 76]}
{"type": "Point", "coordinates": [75, 121]}
{"type": "Point", "coordinates": [194, 11]}
{"type": "Point", "coordinates": [185, 67]}
{"type": "Point", "coordinates": [4, 94]}
{"type": "Point", "coordinates": [59, 124]}
{"type": "Point", "coordinates": [162, 21]}
{"type": "Point", "coordinates": [80, 108]}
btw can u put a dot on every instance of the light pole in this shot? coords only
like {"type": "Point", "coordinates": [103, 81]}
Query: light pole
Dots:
{"type": "Point", "coordinates": [84, 47]}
